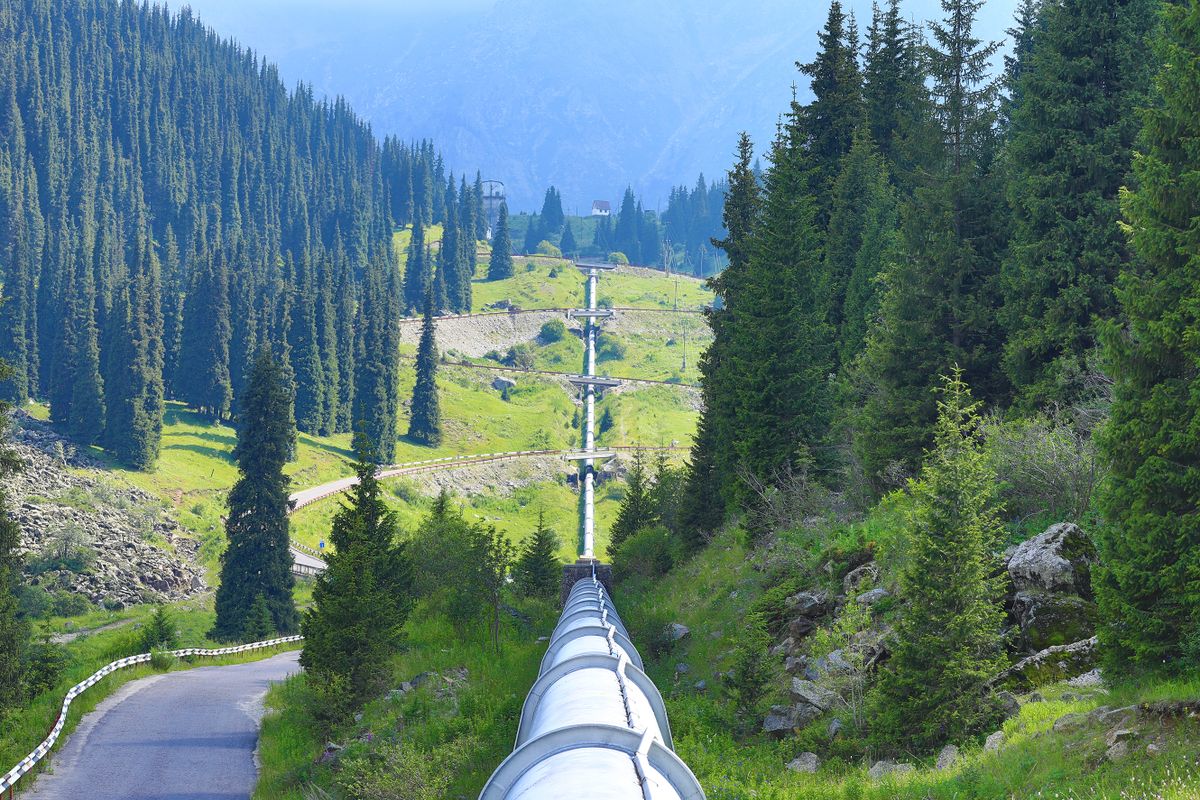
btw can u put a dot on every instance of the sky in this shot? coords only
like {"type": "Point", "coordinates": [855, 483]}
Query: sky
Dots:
{"type": "Point", "coordinates": [589, 97]}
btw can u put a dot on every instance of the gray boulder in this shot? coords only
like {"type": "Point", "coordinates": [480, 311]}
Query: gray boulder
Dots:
{"type": "Point", "coordinates": [1009, 704]}
{"type": "Point", "coordinates": [1057, 560]}
{"type": "Point", "coordinates": [808, 604]}
{"type": "Point", "coordinates": [805, 762]}
{"type": "Point", "coordinates": [947, 757]}
{"type": "Point", "coordinates": [677, 631]}
{"type": "Point", "coordinates": [780, 722]}
{"type": "Point", "coordinates": [1050, 665]}
{"type": "Point", "coordinates": [856, 578]}
{"type": "Point", "coordinates": [1049, 619]}
{"type": "Point", "coordinates": [810, 694]}
{"type": "Point", "coordinates": [872, 597]}
{"type": "Point", "coordinates": [993, 742]}
{"type": "Point", "coordinates": [500, 384]}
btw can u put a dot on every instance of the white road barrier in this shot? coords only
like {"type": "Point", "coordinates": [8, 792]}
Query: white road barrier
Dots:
{"type": "Point", "coordinates": [42, 750]}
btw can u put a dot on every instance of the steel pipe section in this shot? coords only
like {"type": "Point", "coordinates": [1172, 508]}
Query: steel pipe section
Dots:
{"type": "Point", "coordinates": [594, 726]}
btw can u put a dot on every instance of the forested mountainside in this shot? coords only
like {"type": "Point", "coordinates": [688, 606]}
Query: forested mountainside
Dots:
{"type": "Point", "coordinates": [168, 207]}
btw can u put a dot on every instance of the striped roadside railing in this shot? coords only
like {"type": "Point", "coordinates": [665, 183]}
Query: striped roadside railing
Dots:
{"type": "Point", "coordinates": [10, 778]}
{"type": "Point", "coordinates": [509, 312]}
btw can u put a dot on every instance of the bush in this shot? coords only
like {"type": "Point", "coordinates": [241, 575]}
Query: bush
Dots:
{"type": "Point", "coordinates": [553, 272]}
{"type": "Point", "coordinates": [520, 356]}
{"type": "Point", "coordinates": [746, 684]}
{"type": "Point", "coordinates": [69, 604]}
{"type": "Point", "coordinates": [530, 266]}
{"type": "Point", "coordinates": [1047, 465]}
{"type": "Point", "coordinates": [159, 633]}
{"type": "Point", "coordinates": [604, 302]}
{"type": "Point", "coordinates": [67, 549]}
{"type": "Point", "coordinates": [618, 258]}
{"type": "Point", "coordinates": [44, 663]}
{"type": "Point", "coordinates": [554, 330]}
{"type": "Point", "coordinates": [610, 349]}
{"type": "Point", "coordinates": [403, 771]}
{"type": "Point", "coordinates": [545, 248]}
{"type": "Point", "coordinates": [161, 660]}
{"type": "Point", "coordinates": [648, 553]}
{"type": "Point", "coordinates": [34, 602]}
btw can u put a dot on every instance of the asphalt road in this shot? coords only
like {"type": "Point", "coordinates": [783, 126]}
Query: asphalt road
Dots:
{"type": "Point", "coordinates": [188, 735]}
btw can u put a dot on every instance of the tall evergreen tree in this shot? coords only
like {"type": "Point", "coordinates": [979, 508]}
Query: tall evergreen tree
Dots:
{"type": "Point", "coordinates": [552, 211]}
{"type": "Point", "coordinates": [830, 119]}
{"type": "Point", "coordinates": [305, 349]}
{"type": "Point", "coordinates": [501, 264]}
{"type": "Point", "coordinates": [376, 360]}
{"type": "Point", "coordinates": [257, 559]}
{"type": "Point", "coordinates": [416, 271]}
{"type": "Point", "coordinates": [948, 643]}
{"type": "Point", "coordinates": [534, 234]}
{"type": "Point", "coordinates": [361, 601]}
{"type": "Point", "coordinates": [425, 421]}
{"type": "Point", "coordinates": [1148, 581]}
{"type": "Point", "coordinates": [711, 470]}
{"type": "Point", "coordinates": [14, 629]}
{"type": "Point", "coordinates": [938, 308]}
{"type": "Point", "coordinates": [637, 507]}
{"type": "Point", "coordinates": [204, 379]}
{"type": "Point", "coordinates": [1071, 138]}
{"type": "Point", "coordinates": [450, 269]}
{"type": "Point", "coordinates": [567, 244]}
{"type": "Point", "coordinates": [538, 571]}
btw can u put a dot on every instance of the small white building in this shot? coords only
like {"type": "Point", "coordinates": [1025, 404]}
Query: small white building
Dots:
{"type": "Point", "coordinates": [601, 208]}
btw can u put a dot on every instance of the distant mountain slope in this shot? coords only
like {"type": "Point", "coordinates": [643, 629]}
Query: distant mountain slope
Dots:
{"type": "Point", "coordinates": [587, 96]}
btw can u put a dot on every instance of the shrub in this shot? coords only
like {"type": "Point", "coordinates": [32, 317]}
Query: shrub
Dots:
{"type": "Point", "coordinates": [648, 553]}
{"type": "Point", "coordinates": [161, 660]}
{"type": "Point", "coordinates": [530, 266]}
{"type": "Point", "coordinates": [553, 272]}
{"type": "Point", "coordinates": [44, 663]}
{"type": "Point", "coordinates": [69, 604]}
{"type": "Point", "coordinates": [746, 684]}
{"type": "Point", "coordinates": [520, 356]}
{"type": "Point", "coordinates": [618, 258]}
{"type": "Point", "coordinates": [604, 302]}
{"type": "Point", "coordinates": [554, 330]}
{"type": "Point", "coordinates": [403, 771]}
{"type": "Point", "coordinates": [545, 248]}
{"type": "Point", "coordinates": [34, 602]}
{"type": "Point", "coordinates": [610, 349]}
{"type": "Point", "coordinates": [159, 633]}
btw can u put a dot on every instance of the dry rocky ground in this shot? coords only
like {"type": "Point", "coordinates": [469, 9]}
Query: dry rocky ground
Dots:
{"type": "Point", "coordinates": [84, 532]}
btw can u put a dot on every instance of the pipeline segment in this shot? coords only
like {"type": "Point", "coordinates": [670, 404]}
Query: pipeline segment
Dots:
{"type": "Point", "coordinates": [594, 726]}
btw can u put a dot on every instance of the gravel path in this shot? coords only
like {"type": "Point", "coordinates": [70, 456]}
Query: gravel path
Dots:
{"type": "Point", "coordinates": [188, 735]}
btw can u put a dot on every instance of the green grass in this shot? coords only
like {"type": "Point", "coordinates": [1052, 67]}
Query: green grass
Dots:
{"type": "Point", "coordinates": [537, 289]}
{"type": "Point", "coordinates": [484, 711]}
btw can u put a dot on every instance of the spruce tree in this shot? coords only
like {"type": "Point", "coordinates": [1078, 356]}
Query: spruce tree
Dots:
{"type": "Point", "coordinates": [830, 119]}
{"type": "Point", "coordinates": [450, 272]}
{"type": "Point", "coordinates": [711, 468]}
{"type": "Point", "coordinates": [938, 309]}
{"type": "Point", "coordinates": [567, 243]}
{"type": "Point", "coordinates": [305, 349]}
{"type": "Point", "coordinates": [538, 571]}
{"type": "Point", "coordinates": [501, 264]}
{"type": "Point", "coordinates": [637, 508]}
{"type": "Point", "coordinates": [361, 601]}
{"type": "Point", "coordinates": [533, 235]}
{"type": "Point", "coordinates": [552, 211]}
{"type": "Point", "coordinates": [257, 559]}
{"type": "Point", "coordinates": [416, 271]}
{"type": "Point", "coordinates": [861, 225]}
{"type": "Point", "coordinates": [468, 250]}
{"type": "Point", "coordinates": [425, 422]}
{"type": "Point", "coordinates": [204, 379]}
{"type": "Point", "coordinates": [948, 643]}
{"type": "Point", "coordinates": [377, 360]}
{"type": "Point", "coordinates": [1070, 143]}
{"type": "Point", "coordinates": [1148, 580]}
{"type": "Point", "coordinates": [14, 630]}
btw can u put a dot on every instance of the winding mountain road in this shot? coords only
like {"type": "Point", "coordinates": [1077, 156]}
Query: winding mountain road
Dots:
{"type": "Point", "coordinates": [188, 735]}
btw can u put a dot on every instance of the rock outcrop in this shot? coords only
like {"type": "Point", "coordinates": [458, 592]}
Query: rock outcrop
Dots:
{"type": "Point", "coordinates": [1052, 604]}
{"type": "Point", "coordinates": [131, 550]}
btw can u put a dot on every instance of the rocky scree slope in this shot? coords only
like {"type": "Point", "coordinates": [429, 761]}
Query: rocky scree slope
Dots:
{"type": "Point", "coordinates": [88, 534]}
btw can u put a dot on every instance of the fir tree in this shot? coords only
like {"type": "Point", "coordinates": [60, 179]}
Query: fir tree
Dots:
{"type": "Point", "coordinates": [938, 310]}
{"type": "Point", "coordinates": [948, 643]}
{"type": "Point", "coordinates": [711, 472]}
{"type": "Point", "coordinates": [637, 508]}
{"type": "Point", "coordinates": [1148, 581]}
{"type": "Point", "coordinates": [1071, 138]}
{"type": "Point", "coordinates": [450, 269]}
{"type": "Point", "coordinates": [567, 244]}
{"type": "Point", "coordinates": [552, 211]}
{"type": "Point", "coordinates": [305, 349]}
{"type": "Point", "coordinates": [501, 264]}
{"type": "Point", "coordinates": [416, 271]}
{"type": "Point", "coordinates": [376, 361]}
{"type": "Point", "coordinates": [204, 379]}
{"type": "Point", "coordinates": [862, 223]}
{"type": "Point", "coordinates": [425, 422]}
{"type": "Point", "coordinates": [14, 630]}
{"type": "Point", "coordinates": [830, 119]}
{"type": "Point", "coordinates": [538, 572]}
{"type": "Point", "coordinates": [259, 625]}
{"type": "Point", "coordinates": [533, 235]}
{"type": "Point", "coordinates": [257, 559]}
{"type": "Point", "coordinates": [361, 601]}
